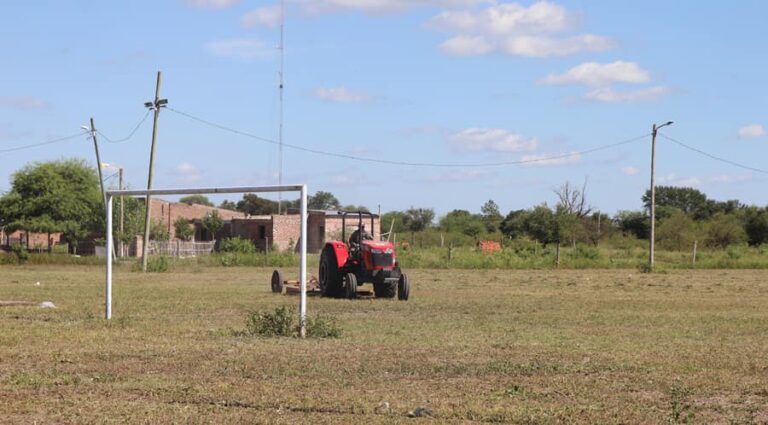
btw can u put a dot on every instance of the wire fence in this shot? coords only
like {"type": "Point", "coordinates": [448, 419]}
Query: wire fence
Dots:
{"type": "Point", "coordinates": [181, 248]}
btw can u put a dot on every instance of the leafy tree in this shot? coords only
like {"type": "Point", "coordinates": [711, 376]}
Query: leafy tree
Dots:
{"type": "Point", "coordinates": [568, 226]}
{"type": "Point", "coordinates": [724, 230]}
{"type": "Point", "coordinates": [355, 208]}
{"type": "Point", "coordinates": [158, 231]}
{"type": "Point", "coordinates": [492, 217]}
{"type": "Point", "coordinates": [686, 199]}
{"type": "Point", "coordinates": [418, 219]}
{"type": "Point", "coordinates": [634, 223]}
{"type": "Point", "coordinates": [253, 205]}
{"type": "Point", "coordinates": [323, 201]}
{"type": "Point", "coordinates": [57, 196]}
{"type": "Point", "coordinates": [676, 232]}
{"type": "Point", "coordinates": [514, 224]}
{"type": "Point", "coordinates": [541, 224]}
{"type": "Point", "coordinates": [196, 200]}
{"type": "Point", "coordinates": [228, 205]}
{"type": "Point", "coordinates": [398, 217]}
{"type": "Point", "coordinates": [463, 221]}
{"type": "Point", "coordinates": [213, 223]}
{"type": "Point", "coordinates": [756, 225]}
{"type": "Point", "coordinates": [183, 229]}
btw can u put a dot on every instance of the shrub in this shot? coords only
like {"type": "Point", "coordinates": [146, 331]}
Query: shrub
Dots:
{"type": "Point", "coordinates": [154, 265]}
{"type": "Point", "coordinates": [237, 245]}
{"type": "Point", "coordinates": [20, 252]}
{"type": "Point", "coordinates": [283, 322]}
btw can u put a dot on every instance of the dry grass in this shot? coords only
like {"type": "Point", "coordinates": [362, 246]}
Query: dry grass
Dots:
{"type": "Point", "coordinates": [609, 346]}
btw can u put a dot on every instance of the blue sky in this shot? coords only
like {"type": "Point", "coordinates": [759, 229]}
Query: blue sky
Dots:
{"type": "Point", "coordinates": [442, 81]}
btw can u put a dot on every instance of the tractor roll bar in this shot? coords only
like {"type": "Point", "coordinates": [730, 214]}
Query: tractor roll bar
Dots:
{"type": "Point", "coordinates": [360, 215]}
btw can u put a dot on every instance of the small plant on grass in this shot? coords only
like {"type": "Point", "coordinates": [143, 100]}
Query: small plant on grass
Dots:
{"type": "Point", "coordinates": [20, 252]}
{"type": "Point", "coordinates": [154, 265]}
{"type": "Point", "coordinates": [237, 245]}
{"type": "Point", "coordinates": [283, 322]}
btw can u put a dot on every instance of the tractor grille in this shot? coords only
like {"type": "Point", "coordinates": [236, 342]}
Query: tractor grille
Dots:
{"type": "Point", "coordinates": [382, 260]}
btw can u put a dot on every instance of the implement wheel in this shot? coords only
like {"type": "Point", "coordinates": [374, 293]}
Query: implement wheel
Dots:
{"type": "Point", "coordinates": [277, 282]}
{"type": "Point", "coordinates": [330, 279]}
{"type": "Point", "coordinates": [350, 286]}
{"type": "Point", "coordinates": [403, 288]}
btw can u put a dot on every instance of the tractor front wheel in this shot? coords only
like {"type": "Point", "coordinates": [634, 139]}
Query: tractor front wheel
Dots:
{"type": "Point", "coordinates": [350, 286]}
{"type": "Point", "coordinates": [384, 289]}
{"type": "Point", "coordinates": [403, 288]}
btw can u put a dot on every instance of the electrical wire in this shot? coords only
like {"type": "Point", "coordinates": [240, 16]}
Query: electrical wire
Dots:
{"type": "Point", "coordinates": [49, 142]}
{"type": "Point", "coordinates": [127, 138]}
{"type": "Point", "coordinates": [716, 158]}
{"type": "Point", "coordinates": [406, 163]}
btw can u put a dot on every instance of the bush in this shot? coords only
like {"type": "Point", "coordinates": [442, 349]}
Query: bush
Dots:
{"type": "Point", "coordinates": [154, 265]}
{"type": "Point", "coordinates": [283, 322]}
{"type": "Point", "coordinates": [237, 245]}
{"type": "Point", "coordinates": [20, 253]}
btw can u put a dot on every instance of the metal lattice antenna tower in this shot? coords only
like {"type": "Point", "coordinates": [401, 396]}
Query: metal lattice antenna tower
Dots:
{"type": "Point", "coordinates": [281, 47]}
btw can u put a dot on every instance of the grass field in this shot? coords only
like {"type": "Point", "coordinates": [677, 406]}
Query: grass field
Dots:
{"type": "Point", "coordinates": [587, 346]}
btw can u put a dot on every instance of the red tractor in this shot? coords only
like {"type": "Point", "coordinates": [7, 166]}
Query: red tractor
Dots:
{"type": "Point", "coordinates": [345, 265]}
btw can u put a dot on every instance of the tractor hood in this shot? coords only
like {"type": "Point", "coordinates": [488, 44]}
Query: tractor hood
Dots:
{"type": "Point", "coordinates": [378, 245]}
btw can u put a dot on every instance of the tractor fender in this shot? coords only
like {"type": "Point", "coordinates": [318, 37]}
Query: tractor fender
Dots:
{"type": "Point", "coordinates": [341, 250]}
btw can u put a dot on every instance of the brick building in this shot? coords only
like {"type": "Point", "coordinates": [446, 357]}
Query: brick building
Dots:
{"type": "Point", "coordinates": [29, 239]}
{"type": "Point", "coordinates": [167, 213]}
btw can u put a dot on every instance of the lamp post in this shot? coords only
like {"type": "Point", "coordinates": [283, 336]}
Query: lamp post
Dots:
{"type": "Point", "coordinates": [652, 242]}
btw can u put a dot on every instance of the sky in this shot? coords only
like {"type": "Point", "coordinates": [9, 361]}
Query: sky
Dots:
{"type": "Point", "coordinates": [468, 82]}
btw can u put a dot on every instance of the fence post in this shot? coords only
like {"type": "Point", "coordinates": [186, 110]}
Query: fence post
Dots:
{"type": "Point", "coordinates": [450, 252]}
{"type": "Point", "coordinates": [557, 258]}
{"type": "Point", "coordinates": [695, 245]}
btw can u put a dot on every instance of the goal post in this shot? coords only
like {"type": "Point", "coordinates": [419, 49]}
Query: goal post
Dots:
{"type": "Point", "coordinates": [302, 188]}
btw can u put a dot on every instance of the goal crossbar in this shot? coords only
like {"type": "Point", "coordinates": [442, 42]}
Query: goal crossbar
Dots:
{"type": "Point", "coordinates": [302, 188]}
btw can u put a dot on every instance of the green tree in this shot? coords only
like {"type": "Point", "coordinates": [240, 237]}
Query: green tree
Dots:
{"type": "Point", "coordinates": [213, 223]}
{"type": "Point", "coordinates": [677, 232]}
{"type": "Point", "coordinates": [723, 230]}
{"type": "Point", "coordinates": [323, 201]}
{"type": "Point", "coordinates": [57, 196]}
{"type": "Point", "coordinates": [228, 205]}
{"type": "Point", "coordinates": [183, 229]}
{"type": "Point", "coordinates": [396, 217]}
{"type": "Point", "coordinates": [541, 224]}
{"type": "Point", "coordinates": [355, 208]}
{"type": "Point", "coordinates": [492, 217]}
{"type": "Point", "coordinates": [514, 224]}
{"type": "Point", "coordinates": [418, 219]}
{"type": "Point", "coordinates": [756, 225]}
{"type": "Point", "coordinates": [634, 223]}
{"type": "Point", "coordinates": [158, 231]}
{"type": "Point", "coordinates": [686, 199]}
{"type": "Point", "coordinates": [196, 200]}
{"type": "Point", "coordinates": [463, 221]}
{"type": "Point", "coordinates": [253, 205]}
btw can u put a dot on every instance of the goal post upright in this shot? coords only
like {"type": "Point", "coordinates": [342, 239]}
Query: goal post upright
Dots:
{"type": "Point", "coordinates": [303, 217]}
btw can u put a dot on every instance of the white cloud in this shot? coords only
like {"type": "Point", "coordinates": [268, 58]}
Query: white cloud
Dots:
{"type": "Point", "coordinates": [516, 30]}
{"type": "Point", "coordinates": [597, 74]}
{"type": "Point", "coordinates": [506, 19]}
{"type": "Point", "coordinates": [609, 95]}
{"type": "Point", "coordinates": [696, 181]}
{"type": "Point", "coordinates": [467, 45]}
{"type": "Point", "coordinates": [460, 176]}
{"type": "Point", "coordinates": [541, 47]}
{"type": "Point", "coordinates": [211, 4]}
{"type": "Point", "coordinates": [244, 49]}
{"type": "Point", "coordinates": [630, 171]}
{"type": "Point", "coordinates": [752, 131]}
{"type": "Point", "coordinates": [268, 16]}
{"type": "Point", "coordinates": [726, 178]}
{"type": "Point", "coordinates": [491, 140]}
{"type": "Point", "coordinates": [187, 173]}
{"type": "Point", "coordinates": [553, 159]}
{"type": "Point", "coordinates": [379, 7]}
{"type": "Point", "coordinates": [23, 102]}
{"type": "Point", "coordinates": [341, 95]}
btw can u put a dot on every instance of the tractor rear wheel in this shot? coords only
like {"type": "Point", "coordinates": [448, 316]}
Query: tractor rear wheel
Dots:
{"type": "Point", "coordinates": [384, 289]}
{"type": "Point", "coordinates": [277, 282]}
{"type": "Point", "coordinates": [403, 288]}
{"type": "Point", "coordinates": [350, 286]}
{"type": "Point", "coordinates": [330, 278]}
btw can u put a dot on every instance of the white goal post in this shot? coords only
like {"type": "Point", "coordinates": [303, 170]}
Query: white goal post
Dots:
{"type": "Point", "coordinates": [207, 191]}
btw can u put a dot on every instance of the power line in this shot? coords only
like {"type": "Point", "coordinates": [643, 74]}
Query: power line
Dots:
{"type": "Point", "coordinates": [49, 142]}
{"type": "Point", "coordinates": [406, 163]}
{"type": "Point", "coordinates": [129, 136]}
{"type": "Point", "coordinates": [716, 158]}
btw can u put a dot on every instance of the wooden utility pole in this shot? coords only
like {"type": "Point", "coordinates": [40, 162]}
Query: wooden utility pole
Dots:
{"type": "Point", "coordinates": [155, 106]}
{"type": "Point", "coordinates": [652, 241]}
{"type": "Point", "coordinates": [98, 165]}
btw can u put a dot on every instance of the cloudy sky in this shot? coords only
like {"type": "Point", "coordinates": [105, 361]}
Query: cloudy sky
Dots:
{"type": "Point", "coordinates": [416, 81]}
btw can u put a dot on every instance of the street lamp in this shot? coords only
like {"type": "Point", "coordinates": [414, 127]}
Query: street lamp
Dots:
{"type": "Point", "coordinates": [652, 242]}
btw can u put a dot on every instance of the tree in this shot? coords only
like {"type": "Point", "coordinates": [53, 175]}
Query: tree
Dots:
{"type": "Point", "coordinates": [355, 208]}
{"type": "Point", "coordinates": [756, 225]}
{"type": "Point", "coordinates": [253, 205]}
{"type": "Point", "coordinates": [686, 199]}
{"type": "Point", "coordinates": [158, 231]}
{"type": "Point", "coordinates": [634, 223]}
{"type": "Point", "coordinates": [183, 229]}
{"type": "Point", "coordinates": [213, 223]}
{"type": "Point", "coordinates": [492, 217]}
{"type": "Point", "coordinates": [228, 205]}
{"type": "Point", "coordinates": [196, 200]}
{"type": "Point", "coordinates": [724, 230]}
{"type": "Point", "coordinates": [542, 224]}
{"type": "Point", "coordinates": [418, 219]}
{"type": "Point", "coordinates": [57, 196]}
{"type": "Point", "coordinates": [514, 224]}
{"type": "Point", "coordinates": [676, 232]}
{"type": "Point", "coordinates": [396, 217]}
{"type": "Point", "coordinates": [463, 221]}
{"type": "Point", "coordinates": [572, 200]}
{"type": "Point", "coordinates": [323, 201]}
